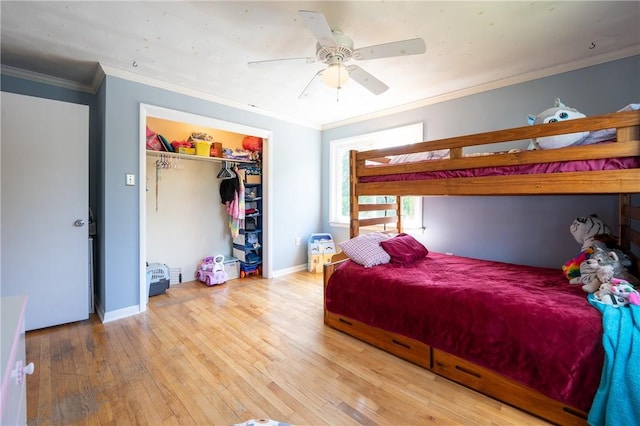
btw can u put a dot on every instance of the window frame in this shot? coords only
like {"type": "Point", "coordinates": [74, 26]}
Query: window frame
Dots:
{"type": "Point", "coordinates": [396, 136]}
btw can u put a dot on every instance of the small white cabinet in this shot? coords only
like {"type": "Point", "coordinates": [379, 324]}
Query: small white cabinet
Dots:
{"type": "Point", "coordinates": [13, 407]}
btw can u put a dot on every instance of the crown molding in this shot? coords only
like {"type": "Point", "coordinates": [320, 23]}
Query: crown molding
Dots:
{"type": "Point", "coordinates": [127, 75]}
{"type": "Point", "coordinates": [497, 84]}
{"type": "Point", "coordinates": [104, 70]}
{"type": "Point", "coordinates": [45, 79]}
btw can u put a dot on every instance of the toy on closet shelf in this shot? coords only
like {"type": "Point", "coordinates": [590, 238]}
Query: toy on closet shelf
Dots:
{"type": "Point", "coordinates": [211, 271]}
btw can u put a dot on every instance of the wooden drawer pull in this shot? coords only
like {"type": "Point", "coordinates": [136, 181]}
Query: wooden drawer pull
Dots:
{"type": "Point", "coordinates": [399, 343]}
{"type": "Point", "coordinates": [469, 372]}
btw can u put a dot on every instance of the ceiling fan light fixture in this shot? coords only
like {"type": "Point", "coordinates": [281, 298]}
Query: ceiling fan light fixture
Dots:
{"type": "Point", "coordinates": [335, 75]}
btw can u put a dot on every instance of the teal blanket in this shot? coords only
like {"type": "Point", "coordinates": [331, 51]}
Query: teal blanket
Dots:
{"type": "Point", "coordinates": [617, 400]}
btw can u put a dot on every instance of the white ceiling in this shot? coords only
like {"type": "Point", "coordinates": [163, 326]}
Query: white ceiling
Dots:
{"type": "Point", "coordinates": [203, 47]}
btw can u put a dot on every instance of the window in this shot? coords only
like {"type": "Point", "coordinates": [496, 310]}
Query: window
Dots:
{"type": "Point", "coordinates": [339, 173]}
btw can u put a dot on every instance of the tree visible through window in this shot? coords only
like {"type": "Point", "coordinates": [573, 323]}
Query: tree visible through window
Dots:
{"type": "Point", "coordinates": [339, 174]}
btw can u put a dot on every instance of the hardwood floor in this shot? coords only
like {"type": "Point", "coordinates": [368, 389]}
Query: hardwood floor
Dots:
{"type": "Point", "coordinates": [246, 349]}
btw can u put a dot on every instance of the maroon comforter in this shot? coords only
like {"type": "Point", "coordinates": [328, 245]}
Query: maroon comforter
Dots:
{"type": "Point", "coordinates": [524, 322]}
{"type": "Point", "coordinates": [518, 169]}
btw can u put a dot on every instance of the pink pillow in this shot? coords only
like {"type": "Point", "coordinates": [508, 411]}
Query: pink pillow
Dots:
{"type": "Point", "coordinates": [365, 249]}
{"type": "Point", "coordinates": [404, 249]}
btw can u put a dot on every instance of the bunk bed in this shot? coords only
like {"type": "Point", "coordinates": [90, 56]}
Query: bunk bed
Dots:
{"type": "Point", "coordinates": [482, 350]}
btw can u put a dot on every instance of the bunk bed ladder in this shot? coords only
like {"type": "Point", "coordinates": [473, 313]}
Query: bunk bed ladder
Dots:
{"type": "Point", "coordinates": [356, 207]}
{"type": "Point", "coordinates": [629, 235]}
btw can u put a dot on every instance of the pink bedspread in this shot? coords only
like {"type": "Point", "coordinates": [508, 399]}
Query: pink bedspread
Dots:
{"type": "Point", "coordinates": [522, 169]}
{"type": "Point", "coordinates": [524, 322]}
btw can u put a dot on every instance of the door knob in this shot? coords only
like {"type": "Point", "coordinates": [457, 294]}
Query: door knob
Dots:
{"type": "Point", "coordinates": [78, 223]}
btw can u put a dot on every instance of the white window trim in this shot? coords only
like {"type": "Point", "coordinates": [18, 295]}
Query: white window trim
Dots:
{"type": "Point", "coordinates": [403, 135]}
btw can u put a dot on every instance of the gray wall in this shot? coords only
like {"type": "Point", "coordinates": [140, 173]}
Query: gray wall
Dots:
{"type": "Point", "coordinates": [295, 178]}
{"type": "Point", "coordinates": [114, 121]}
{"type": "Point", "coordinates": [526, 230]}
{"type": "Point", "coordinates": [483, 228]}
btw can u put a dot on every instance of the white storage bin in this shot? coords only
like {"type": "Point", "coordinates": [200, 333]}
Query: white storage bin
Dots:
{"type": "Point", "coordinates": [231, 267]}
{"type": "Point", "coordinates": [240, 239]}
{"type": "Point", "coordinates": [239, 254]}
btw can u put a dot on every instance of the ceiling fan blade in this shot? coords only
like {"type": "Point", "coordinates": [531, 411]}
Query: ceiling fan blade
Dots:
{"type": "Point", "coordinates": [367, 81]}
{"type": "Point", "coordinates": [307, 60]}
{"type": "Point", "coordinates": [308, 90]}
{"type": "Point", "coordinates": [414, 46]}
{"type": "Point", "coordinates": [319, 27]}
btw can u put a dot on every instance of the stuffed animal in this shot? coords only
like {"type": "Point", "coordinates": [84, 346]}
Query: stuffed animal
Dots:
{"type": "Point", "coordinates": [587, 231]}
{"type": "Point", "coordinates": [559, 112]}
{"type": "Point", "coordinates": [617, 293]}
{"type": "Point", "coordinates": [622, 288]}
{"type": "Point", "coordinates": [602, 267]}
{"type": "Point", "coordinates": [606, 296]}
{"type": "Point", "coordinates": [592, 233]}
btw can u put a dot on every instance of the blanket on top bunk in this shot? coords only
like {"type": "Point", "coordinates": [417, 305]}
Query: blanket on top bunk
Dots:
{"type": "Point", "coordinates": [517, 169]}
{"type": "Point", "coordinates": [523, 322]}
{"type": "Point", "coordinates": [617, 399]}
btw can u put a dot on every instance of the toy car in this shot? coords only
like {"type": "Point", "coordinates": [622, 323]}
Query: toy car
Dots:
{"type": "Point", "coordinates": [211, 271]}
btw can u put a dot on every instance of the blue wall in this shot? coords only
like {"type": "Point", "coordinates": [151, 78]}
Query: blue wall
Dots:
{"type": "Point", "coordinates": [483, 228]}
{"type": "Point", "coordinates": [114, 151]}
{"type": "Point", "coordinates": [527, 230]}
{"type": "Point", "coordinates": [295, 175]}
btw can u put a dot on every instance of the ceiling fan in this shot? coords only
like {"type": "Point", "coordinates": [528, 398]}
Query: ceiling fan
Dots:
{"type": "Point", "coordinates": [335, 49]}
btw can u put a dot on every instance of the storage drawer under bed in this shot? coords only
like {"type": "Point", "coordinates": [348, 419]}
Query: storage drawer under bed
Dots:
{"type": "Point", "coordinates": [401, 346]}
{"type": "Point", "coordinates": [503, 389]}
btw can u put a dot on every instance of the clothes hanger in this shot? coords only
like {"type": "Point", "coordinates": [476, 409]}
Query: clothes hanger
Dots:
{"type": "Point", "coordinates": [225, 172]}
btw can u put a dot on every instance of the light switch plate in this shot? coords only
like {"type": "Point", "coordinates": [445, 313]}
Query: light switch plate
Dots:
{"type": "Point", "coordinates": [130, 179]}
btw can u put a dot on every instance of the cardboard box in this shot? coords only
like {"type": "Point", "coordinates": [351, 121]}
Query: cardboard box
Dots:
{"type": "Point", "coordinates": [254, 179]}
{"type": "Point", "coordinates": [216, 150]}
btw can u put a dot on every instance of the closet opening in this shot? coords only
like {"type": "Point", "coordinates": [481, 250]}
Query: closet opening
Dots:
{"type": "Point", "coordinates": [188, 192]}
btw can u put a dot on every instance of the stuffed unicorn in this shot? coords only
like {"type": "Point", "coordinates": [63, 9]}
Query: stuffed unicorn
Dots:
{"type": "Point", "coordinates": [624, 289]}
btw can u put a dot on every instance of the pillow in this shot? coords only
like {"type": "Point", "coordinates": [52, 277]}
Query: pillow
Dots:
{"type": "Point", "coordinates": [404, 249]}
{"type": "Point", "coordinates": [365, 249]}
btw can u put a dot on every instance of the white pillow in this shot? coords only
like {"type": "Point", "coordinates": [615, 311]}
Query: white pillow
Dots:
{"type": "Point", "coordinates": [365, 249]}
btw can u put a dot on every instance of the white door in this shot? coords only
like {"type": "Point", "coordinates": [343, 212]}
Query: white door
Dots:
{"type": "Point", "coordinates": [44, 207]}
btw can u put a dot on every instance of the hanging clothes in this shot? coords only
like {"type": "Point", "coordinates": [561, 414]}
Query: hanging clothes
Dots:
{"type": "Point", "coordinates": [228, 190]}
{"type": "Point", "coordinates": [236, 207]}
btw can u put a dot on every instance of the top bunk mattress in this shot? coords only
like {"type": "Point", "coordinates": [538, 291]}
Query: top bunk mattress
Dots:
{"type": "Point", "coordinates": [524, 322]}
{"type": "Point", "coordinates": [520, 169]}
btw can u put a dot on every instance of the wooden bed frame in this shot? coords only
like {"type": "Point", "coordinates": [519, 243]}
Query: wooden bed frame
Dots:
{"type": "Point", "coordinates": [625, 183]}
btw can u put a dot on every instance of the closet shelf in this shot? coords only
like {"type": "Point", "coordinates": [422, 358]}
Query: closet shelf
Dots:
{"type": "Point", "coordinates": [197, 157]}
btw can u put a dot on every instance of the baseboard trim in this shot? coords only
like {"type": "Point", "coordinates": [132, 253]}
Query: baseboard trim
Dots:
{"type": "Point", "coordinates": [290, 270]}
{"type": "Point", "coordinates": [117, 314]}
